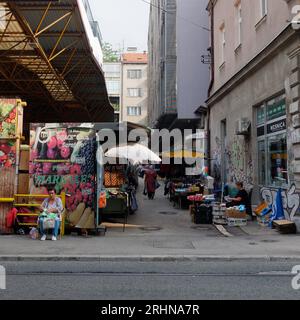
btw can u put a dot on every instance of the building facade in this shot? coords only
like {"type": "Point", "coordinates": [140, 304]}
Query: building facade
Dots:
{"type": "Point", "coordinates": [134, 93]}
{"type": "Point", "coordinates": [112, 73]}
{"type": "Point", "coordinates": [254, 98]}
{"type": "Point", "coordinates": [178, 81]}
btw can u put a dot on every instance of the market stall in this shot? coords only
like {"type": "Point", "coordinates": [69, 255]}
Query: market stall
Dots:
{"type": "Point", "coordinates": [11, 129]}
{"type": "Point", "coordinates": [117, 194]}
{"type": "Point", "coordinates": [63, 156]}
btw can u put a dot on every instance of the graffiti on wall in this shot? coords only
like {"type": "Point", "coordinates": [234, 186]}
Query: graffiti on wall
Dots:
{"type": "Point", "coordinates": [239, 159]}
{"type": "Point", "coordinates": [290, 199]}
{"type": "Point", "coordinates": [216, 163]}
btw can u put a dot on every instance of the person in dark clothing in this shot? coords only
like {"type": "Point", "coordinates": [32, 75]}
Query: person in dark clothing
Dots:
{"type": "Point", "coordinates": [242, 198]}
{"type": "Point", "coordinates": [150, 182]}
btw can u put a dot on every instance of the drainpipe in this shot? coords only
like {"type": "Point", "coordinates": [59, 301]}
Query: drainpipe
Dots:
{"type": "Point", "coordinates": [211, 8]}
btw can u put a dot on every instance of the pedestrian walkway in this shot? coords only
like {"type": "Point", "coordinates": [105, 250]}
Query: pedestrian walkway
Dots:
{"type": "Point", "coordinates": [158, 231]}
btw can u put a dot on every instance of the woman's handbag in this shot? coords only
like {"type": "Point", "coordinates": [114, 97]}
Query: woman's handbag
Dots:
{"type": "Point", "coordinates": [48, 223]}
{"type": "Point", "coordinates": [157, 185]}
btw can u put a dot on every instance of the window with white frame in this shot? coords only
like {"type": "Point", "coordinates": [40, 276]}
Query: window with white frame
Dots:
{"type": "Point", "coordinates": [134, 74]}
{"type": "Point", "coordinates": [113, 86]}
{"type": "Point", "coordinates": [222, 44]}
{"type": "Point", "coordinates": [238, 22]}
{"type": "Point", "coordinates": [112, 70]}
{"type": "Point", "coordinates": [134, 92]}
{"type": "Point", "coordinates": [134, 111]}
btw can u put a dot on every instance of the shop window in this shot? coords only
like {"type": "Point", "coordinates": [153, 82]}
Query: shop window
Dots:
{"type": "Point", "coordinates": [277, 160]}
{"type": "Point", "coordinates": [260, 115]}
{"type": "Point", "coordinates": [276, 108]}
{"type": "Point", "coordinates": [272, 143]}
{"type": "Point", "coordinates": [261, 162]}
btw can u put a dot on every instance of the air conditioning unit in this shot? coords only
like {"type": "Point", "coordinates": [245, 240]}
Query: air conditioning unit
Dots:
{"type": "Point", "coordinates": [243, 127]}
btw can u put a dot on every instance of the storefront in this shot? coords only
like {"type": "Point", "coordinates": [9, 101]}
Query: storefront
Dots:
{"type": "Point", "coordinates": [272, 143]}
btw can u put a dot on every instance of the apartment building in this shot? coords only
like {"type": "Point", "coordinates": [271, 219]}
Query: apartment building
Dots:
{"type": "Point", "coordinates": [178, 81]}
{"type": "Point", "coordinates": [112, 73]}
{"type": "Point", "coordinates": [254, 108]}
{"type": "Point", "coordinates": [134, 94]}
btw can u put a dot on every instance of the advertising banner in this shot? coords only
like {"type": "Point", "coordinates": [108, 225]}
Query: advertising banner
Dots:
{"type": "Point", "coordinates": [63, 156]}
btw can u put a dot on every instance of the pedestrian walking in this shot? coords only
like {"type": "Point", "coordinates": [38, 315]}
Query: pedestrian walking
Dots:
{"type": "Point", "coordinates": [150, 182]}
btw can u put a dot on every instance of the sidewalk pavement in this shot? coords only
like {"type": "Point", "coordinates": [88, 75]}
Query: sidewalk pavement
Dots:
{"type": "Point", "coordinates": [177, 239]}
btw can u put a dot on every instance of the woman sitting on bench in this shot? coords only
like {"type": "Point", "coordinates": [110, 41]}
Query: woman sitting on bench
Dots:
{"type": "Point", "coordinates": [52, 204]}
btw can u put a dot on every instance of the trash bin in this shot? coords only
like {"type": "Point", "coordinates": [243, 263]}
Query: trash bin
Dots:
{"type": "Point", "coordinates": [203, 214]}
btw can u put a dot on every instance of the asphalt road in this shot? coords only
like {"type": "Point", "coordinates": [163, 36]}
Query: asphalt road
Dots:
{"type": "Point", "coordinates": [249, 280]}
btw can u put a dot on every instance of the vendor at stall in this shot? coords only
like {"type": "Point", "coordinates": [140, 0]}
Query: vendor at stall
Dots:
{"type": "Point", "coordinates": [52, 204]}
{"type": "Point", "coordinates": [242, 198]}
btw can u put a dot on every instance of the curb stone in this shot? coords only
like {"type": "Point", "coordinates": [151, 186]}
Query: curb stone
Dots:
{"type": "Point", "coordinates": [182, 258]}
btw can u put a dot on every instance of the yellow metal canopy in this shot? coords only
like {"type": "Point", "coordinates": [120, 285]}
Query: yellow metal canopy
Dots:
{"type": "Point", "coordinates": [46, 59]}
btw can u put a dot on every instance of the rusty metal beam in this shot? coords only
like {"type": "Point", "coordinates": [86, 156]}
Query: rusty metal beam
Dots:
{"type": "Point", "coordinates": [43, 18]}
{"type": "Point", "coordinates": [61, 36]}
{"type": "Point", "coordinates": [63, 50]}
{"type": "Point", "coordinates": [69, 60]}
{"type": "Point", "coordinates": [52, 24]}
{"type": "Point", "coordinates": [6, 27]}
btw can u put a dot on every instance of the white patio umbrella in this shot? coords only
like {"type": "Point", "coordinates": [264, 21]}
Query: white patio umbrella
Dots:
{"type": "Point", "coordinates": [136, 153]}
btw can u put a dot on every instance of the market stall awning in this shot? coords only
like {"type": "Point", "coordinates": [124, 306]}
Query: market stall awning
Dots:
{"type": "Point", "coordinates": [47, 59]}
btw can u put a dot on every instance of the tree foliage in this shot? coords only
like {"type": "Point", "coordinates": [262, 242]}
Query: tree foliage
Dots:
{"type": "Point", "coordinates": [109, 55]}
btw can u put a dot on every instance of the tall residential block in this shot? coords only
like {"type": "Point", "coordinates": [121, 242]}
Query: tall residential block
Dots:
{"type": "Point", "coordinates": [178, 80]}
{"type": "Point", "coordinates": [134, 93]}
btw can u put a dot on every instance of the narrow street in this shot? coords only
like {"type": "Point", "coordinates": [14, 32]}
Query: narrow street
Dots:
{"type": "Point", "coordinates": [205, 93]}
{"type": "Point", "coordinates": [159, 216]}
{"type": "Point", "coordinates": [149, 280]}
{"type": "Point", "coordinates": [123, 277]}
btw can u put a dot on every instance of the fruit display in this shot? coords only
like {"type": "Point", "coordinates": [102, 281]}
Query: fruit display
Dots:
{"type": "Point", "coordinates": [7, 154]}
{"type": "Point", "coordinates": [8, 115]}
{"type": "Point", "coordinates": [88, 153]}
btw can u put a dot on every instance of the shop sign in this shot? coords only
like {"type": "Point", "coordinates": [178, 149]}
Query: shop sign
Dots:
{"type": "Point", "coordinates": [276, 126]}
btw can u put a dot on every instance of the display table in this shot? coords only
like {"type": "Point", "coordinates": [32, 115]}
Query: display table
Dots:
{"type": "Point", "coordinates": [180, 197]}
{"type": "Point", "coordinates": [201, 210]}
{"type": "Point", "coordinates": [117, 205]}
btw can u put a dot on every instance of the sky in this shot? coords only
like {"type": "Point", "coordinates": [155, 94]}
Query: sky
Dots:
{"type": "Point", "coordinates": [123, 23]}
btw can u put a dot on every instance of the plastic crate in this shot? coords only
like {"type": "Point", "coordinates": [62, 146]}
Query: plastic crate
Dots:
{"type": "Point", "coordinates": [233, 222]}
